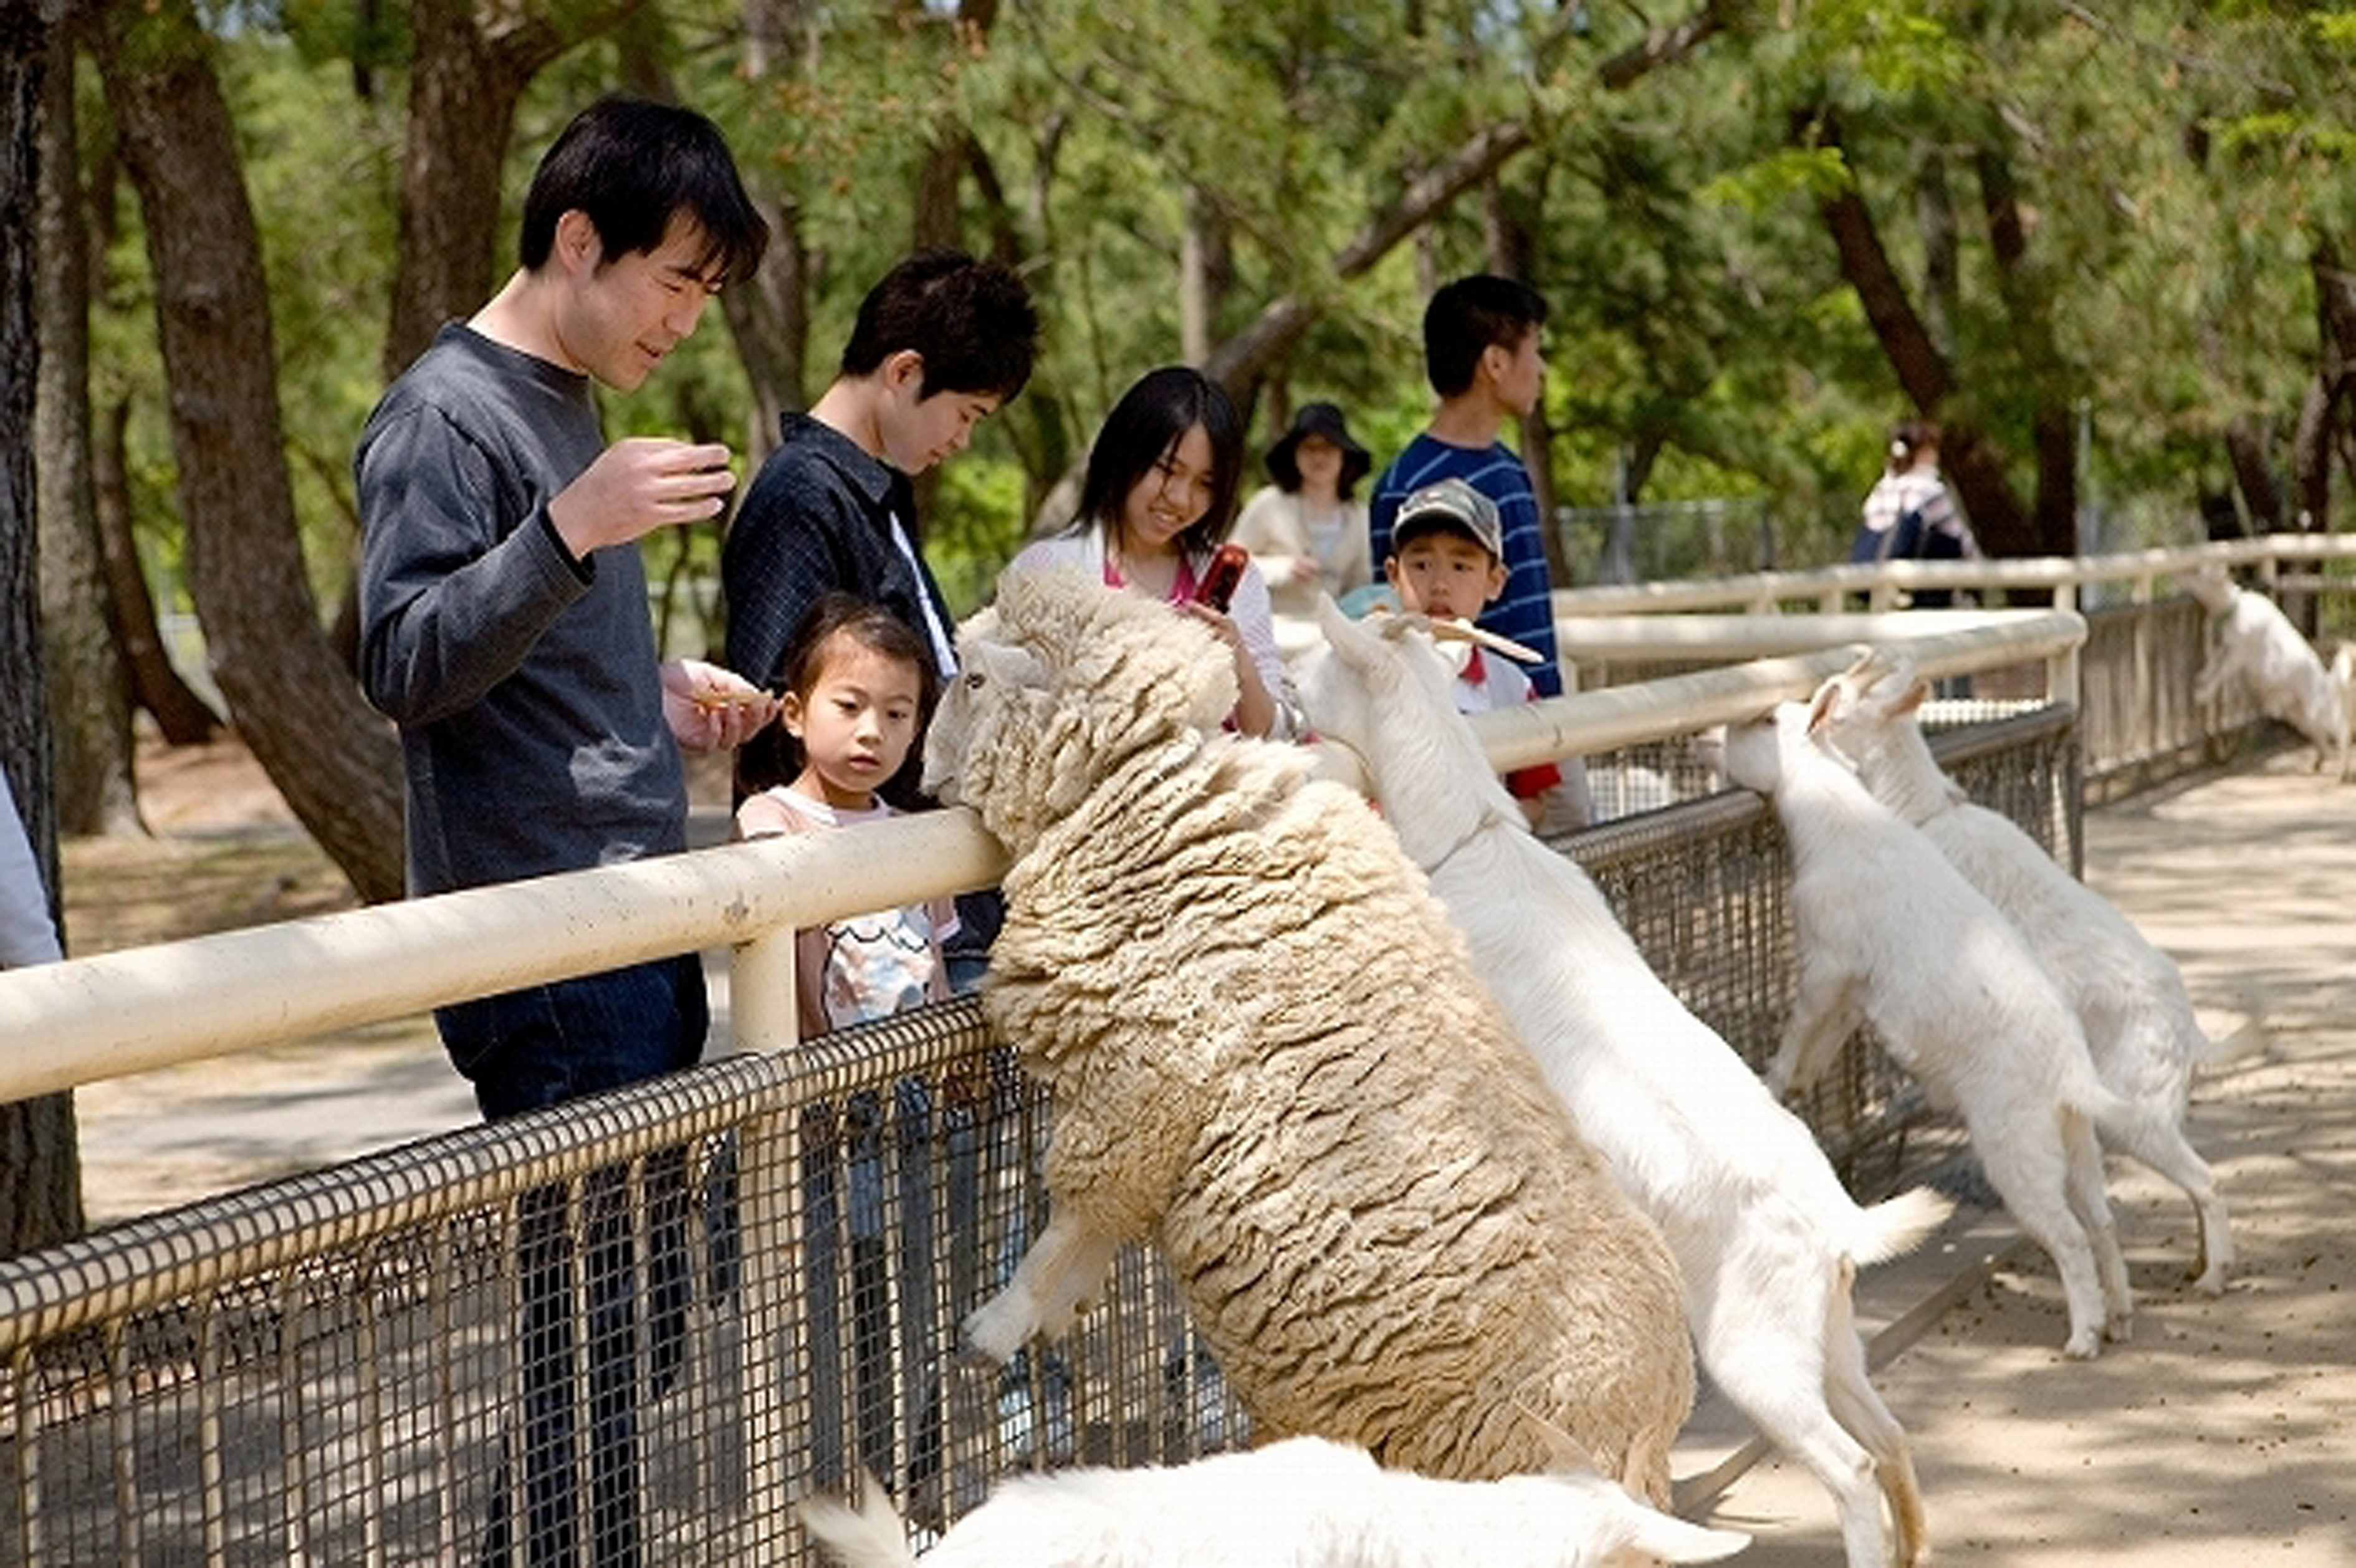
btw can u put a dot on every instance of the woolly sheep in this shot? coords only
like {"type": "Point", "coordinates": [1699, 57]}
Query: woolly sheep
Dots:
{"type": "Point", "coordinates": [1889, 933]}
{"type": "Point", "coordinates": [2130, 1000]}
{"type": "Point", "coordinates": [1767, 1241]}
{"type": "Point", "coordinates": [1301, 1503]}
{"type": "Point", "coordinates": [1267, 1051]}
{"type": "Point", "coordinates": [2258, 649]}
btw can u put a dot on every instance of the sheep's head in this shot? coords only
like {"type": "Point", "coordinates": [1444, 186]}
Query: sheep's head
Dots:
{"type": "Point", "coordinates": [1058, 684]}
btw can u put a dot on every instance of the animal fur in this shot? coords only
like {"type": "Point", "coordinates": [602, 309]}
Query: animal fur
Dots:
{"type": "Point", "coordinates": [1889, 932]}
{"type": "Point", "coordinates": [1301, 1503]}
{"type": "Point", "coordinates": [2140, 1029]}
{"type": "Point", "coordinates": [2257, 649]}
{"type": "Point", "coordinates": [1267, 1051]}
{"type": "Point", "coordinates": [1767, 1241]}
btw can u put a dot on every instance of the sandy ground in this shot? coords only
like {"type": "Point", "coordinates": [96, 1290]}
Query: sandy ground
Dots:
{"type": "Point", "coordinates": [2222, 1433]}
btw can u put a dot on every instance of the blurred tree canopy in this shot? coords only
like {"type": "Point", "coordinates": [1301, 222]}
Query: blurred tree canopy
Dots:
{"type": "Point", "coordinates": [2105, 245]}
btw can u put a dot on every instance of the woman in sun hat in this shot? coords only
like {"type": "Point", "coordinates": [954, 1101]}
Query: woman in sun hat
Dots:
{"type": "Point", "coordinates": [1305, 532]}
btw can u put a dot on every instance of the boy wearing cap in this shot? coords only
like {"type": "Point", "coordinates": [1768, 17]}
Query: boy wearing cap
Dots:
{"type": "Point", "coordinates": [1448, 562]}
{"type": "Point", "coordinates": [1482, 354]}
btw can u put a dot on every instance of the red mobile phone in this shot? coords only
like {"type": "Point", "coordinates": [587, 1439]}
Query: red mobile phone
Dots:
{"type": "Point", "coordinates": [1217, 588]}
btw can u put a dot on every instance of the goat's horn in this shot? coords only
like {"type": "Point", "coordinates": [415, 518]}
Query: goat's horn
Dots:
{"type": "Point", "coordinates": [1466, 631]}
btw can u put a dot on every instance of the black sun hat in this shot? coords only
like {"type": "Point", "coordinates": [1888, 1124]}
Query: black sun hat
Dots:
{"type": "Point", "coordinates": [1324, 421]}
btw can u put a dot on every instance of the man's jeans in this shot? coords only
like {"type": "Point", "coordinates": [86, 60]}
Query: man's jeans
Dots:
{"type": "Point", "coordinates": [524, 1051]}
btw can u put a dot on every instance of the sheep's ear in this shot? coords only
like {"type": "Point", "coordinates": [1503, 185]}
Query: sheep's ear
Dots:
{"type": "Point", "coordinates": [1007, 665]}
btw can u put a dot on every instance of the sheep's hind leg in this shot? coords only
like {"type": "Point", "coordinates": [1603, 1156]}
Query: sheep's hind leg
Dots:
{"type": "Point", "coordinates": [1065, 1268]}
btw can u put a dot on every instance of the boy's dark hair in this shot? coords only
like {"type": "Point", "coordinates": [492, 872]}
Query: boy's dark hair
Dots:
{"type": "Point", "coordinates": [634, 165]}
{"type": "Point", "coordinates": [1473, 315]}
{"type": "Point", "coordinates": [972, 322]}
{"type": "Point", "coordinates": [773, 756]}
{"type": "Point", "coordinates": [1148, 421]}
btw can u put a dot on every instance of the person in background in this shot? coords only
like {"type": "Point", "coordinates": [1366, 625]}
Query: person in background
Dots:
{"type": "Point", "coordinates": [504, 629]}
{"type": "Point", "coordinates": [1909, 515]}
{"type": "Point", "coordinates": [1448, 562]}
{"type": "Point", "coordinates": [1484, 356]}
{"type": "Point", "coordinates": [1159, 497]}
{"type": "Point", "coordinates": [1306, 533]}
{"type": "Point", "coordinates": [858, 686]}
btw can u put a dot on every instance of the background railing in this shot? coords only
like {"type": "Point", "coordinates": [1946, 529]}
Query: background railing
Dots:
{"type": "Point", "coordinates": [744, 1279]}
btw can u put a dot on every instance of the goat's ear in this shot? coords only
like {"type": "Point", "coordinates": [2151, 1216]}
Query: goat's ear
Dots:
{"type": "Point", "coordinates": [1820, 707]}
{"type": "Point", "coordinates": [1353, 642]}
{"type": "Point", "coordinates": [1915, 697]}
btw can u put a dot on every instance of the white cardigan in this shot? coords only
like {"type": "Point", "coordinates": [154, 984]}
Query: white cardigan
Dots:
{"type": "Point", "coordinates": [1085, 549]}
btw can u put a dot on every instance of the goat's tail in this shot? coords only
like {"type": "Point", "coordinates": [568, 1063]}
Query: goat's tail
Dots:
{"type": "Point", "coordinates": [869, 1536]}
{"type": "Point", "coordinates": [1896, 1226]}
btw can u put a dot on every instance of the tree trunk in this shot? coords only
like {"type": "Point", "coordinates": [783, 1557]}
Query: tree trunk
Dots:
{"type": "Point", "coordinates": [2028, 299]}
{"type": "Point", "coordinates": [333, 760]}
{"type": "Point", "coordinates": [469, 67]}
{"type": "Point", "coordinates": [39, 1160]}
{"type": "Point", "coordinates": [89, 700]}
{"type": "Point", "coordinates": [1972, 463]}
{"type": "Point", "coordinates": [2335, 378]}
{"type": "Point", "coordinates": [183, 716]}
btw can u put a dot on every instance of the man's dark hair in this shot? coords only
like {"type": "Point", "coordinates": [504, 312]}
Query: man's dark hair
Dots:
{"type": "Point", "coordinates": [972, 322]}
{"type": "Point", "coordinates": [1473, 315]}
{"type": "Point", "coordinates": [633, 167]}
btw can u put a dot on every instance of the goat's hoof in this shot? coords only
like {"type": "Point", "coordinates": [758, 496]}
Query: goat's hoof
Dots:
{"type": "Point", "coordinates": [990, 1338]}
{"type": "Point", "coordinates": [2119, 1329]}
{"type": "Point", "coordinates": [2208, 1281]}
{"type": "Point", "coordinates": [2083, 1346]}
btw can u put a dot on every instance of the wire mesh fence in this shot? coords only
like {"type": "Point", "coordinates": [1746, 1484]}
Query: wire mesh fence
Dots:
{"type": "Point", "coordinates": [632, 1329]}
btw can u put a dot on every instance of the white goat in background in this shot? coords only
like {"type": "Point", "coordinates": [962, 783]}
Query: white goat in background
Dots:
{"type": "Point", "coordinates": [1766, 1240]}
{"type": "Point", "coordinates": [2139, 1024]}
{"type": "Point", "coordinates": [1890, 933]}
{"type": "Point", "coordinates": [1301, 1503]}
{"type": "Point", "coordinates": [2258, 649]}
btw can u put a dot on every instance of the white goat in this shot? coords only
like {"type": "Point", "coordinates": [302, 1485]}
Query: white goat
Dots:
{"type": "Point", "coordinates": [1889, 933]}
{"type": "Point", "coordinates": [1304, 1502]}
{"type": "Point", "coordinates": [2138, 1021]}
{"type": "Point", "coordinates": [1269, 1051]}
{"type": "Point", "coordinates": [1767, 1241]}
{"type": "Point", "coordinates": [2259, 649]}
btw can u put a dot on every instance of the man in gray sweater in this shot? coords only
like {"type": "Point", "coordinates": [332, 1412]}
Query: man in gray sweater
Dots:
{"type": "Point", "coordinates": [504, 627]}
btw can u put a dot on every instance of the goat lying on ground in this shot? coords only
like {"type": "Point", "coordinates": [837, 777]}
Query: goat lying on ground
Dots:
{"type": "Point", "coordinates": [1268, 1050]}
{"type": "Point", "coordinates": [2130, 1000]}
{"type": "Point", "coordinates": [1767, 1241]}
{"type": "Point", "coordinates": [2258, 649]}
{"type": "Point", "coordinates": [1890, 933]}
{"type": "Point", "coordinates": [1301, 1503]}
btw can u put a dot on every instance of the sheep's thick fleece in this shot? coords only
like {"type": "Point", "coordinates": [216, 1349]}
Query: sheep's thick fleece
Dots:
{"type": "Point", "coordinates": [1268, 1050]}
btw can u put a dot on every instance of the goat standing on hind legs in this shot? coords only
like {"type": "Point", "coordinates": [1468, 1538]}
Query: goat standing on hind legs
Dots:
{"type": "Point", "coordinates": [1889, 932]}
{"type": "Point", "coordinates": [1767, 1241]}
{"type": "Point", "coordinates": [2130, 999]}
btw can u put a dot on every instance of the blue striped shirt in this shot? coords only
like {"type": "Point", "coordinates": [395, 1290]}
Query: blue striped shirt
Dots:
{"type": "Point", "coordinates": [1525, 611]}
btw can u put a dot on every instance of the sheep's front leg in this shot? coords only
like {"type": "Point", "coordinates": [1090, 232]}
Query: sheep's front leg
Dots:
{"type": "Point", "coordinates": [1065, 1268]}
{"type": "Point", "coordinates": [1825, 1013]}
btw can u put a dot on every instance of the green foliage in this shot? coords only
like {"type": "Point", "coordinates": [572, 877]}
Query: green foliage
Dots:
{"type": "Point", "coordinates": [2175, 165]}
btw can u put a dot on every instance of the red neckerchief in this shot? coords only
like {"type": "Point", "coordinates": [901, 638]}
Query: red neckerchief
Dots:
{"type": "Point", "coordinates": [1475, 671]}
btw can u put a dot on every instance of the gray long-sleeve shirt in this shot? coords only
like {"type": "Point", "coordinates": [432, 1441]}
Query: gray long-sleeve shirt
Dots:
{"type": "Point", "coordinates": [526, 686]}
